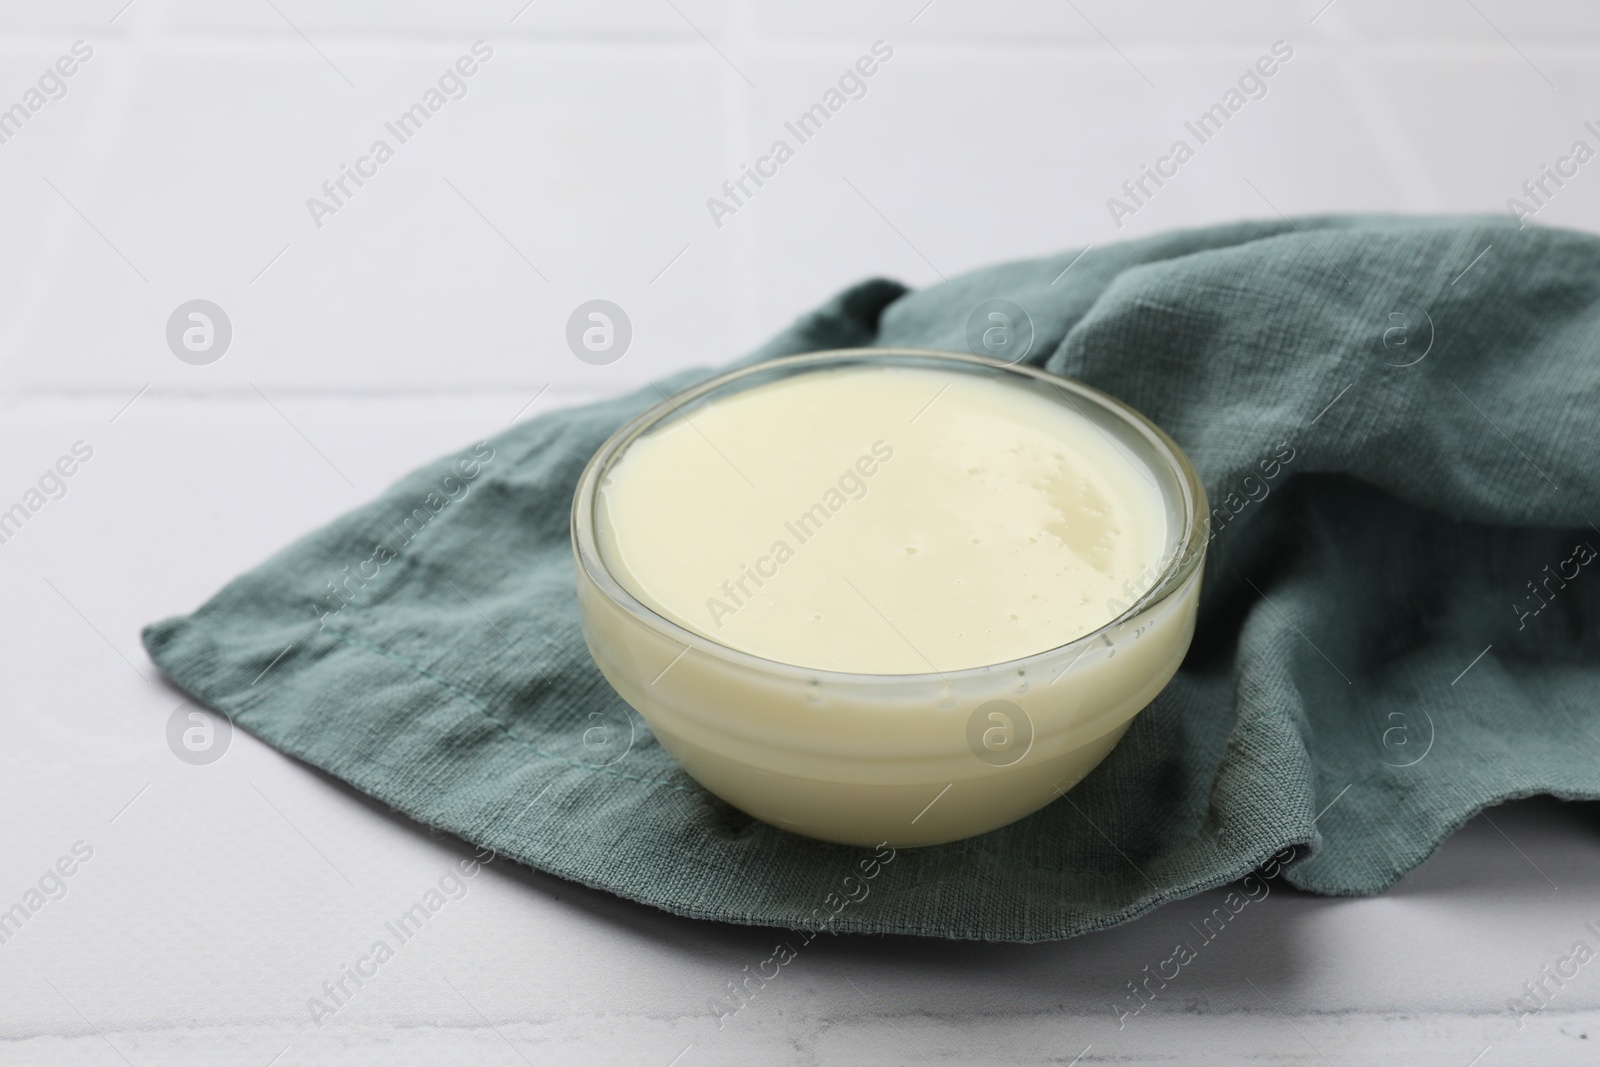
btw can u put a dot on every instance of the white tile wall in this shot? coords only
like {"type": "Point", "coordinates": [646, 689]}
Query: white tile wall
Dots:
{"type": "Point", "coordinates": [586, 149]}
{"type": "Point", "coordinates": [355, 20]}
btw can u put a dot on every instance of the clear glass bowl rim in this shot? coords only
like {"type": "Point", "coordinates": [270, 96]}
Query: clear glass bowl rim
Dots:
{"type": "Point", "coordinates": [1184, 559]}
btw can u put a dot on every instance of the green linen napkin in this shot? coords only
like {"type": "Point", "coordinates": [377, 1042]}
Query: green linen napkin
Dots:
{"type": "Point", "coordinates": [1395, 421]}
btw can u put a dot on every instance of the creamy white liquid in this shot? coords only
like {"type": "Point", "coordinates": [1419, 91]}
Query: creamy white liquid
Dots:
{"type": "Point", "coordinates": [885, 520]}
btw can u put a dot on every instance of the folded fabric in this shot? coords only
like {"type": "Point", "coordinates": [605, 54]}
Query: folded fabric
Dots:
{"type": "Point", "coordinates": [1395, 422]}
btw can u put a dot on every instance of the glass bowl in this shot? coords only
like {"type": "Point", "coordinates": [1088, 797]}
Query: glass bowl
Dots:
{"type": "Point", "coordinates": [908, 759]}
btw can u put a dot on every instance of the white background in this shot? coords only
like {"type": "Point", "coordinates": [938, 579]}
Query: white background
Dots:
{"type": "Point", "coordinates": [430, 311]}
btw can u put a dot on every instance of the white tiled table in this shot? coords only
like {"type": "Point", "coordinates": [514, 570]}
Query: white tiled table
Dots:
{"type": "Point", "coordinates": [430, 309]}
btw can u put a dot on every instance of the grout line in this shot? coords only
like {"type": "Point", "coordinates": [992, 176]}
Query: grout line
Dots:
{"type": "Point", "coordinates": [712, 45]}
{"type": "Point", "coordinates": [1378, 114]}
{"type": "Point", "coordinates": [493, 392]}
{"type": "Point", "coordinates": [1167, 48]}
